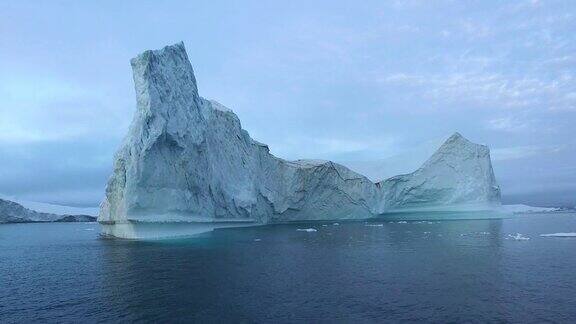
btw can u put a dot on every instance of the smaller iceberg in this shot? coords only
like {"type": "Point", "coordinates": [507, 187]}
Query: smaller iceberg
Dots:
{"type": "Point", "coordinates": [525, 209]}
{"type": "Point", "coordinates": [559, 235]}
{"type": "Point", "coordinates": [309, 230]}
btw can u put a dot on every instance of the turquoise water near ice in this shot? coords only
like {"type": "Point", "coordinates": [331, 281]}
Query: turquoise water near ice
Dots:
{"type": "Point", "coordinates": [377, 271]}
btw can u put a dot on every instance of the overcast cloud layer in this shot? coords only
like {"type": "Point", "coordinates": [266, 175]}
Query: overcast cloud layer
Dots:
{"type": "Point", "coordinates": [376, 85]}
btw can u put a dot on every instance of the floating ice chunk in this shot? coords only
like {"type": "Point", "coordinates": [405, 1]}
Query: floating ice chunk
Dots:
{"type": "Point", "coordinates": [324, 225]}
{"type": "Point", "coordinates": [375, 225]}
{"type": "Point", "coordinates": [524, 209]}
{"type": "Point", "coordinates": [559, 235]}
{"type": "Point", "coordinates": [336, 224]}
{"type": "Point", "coordinates": [257, 240]}
{"type": "Point", "coordinates": [517, 237]}
{"type": "Point", "coordinates": [427, 232]}
{"type": "Point", "coordinates": [402, 222]}
{"type": "Point", "coordinates": [307, 230]}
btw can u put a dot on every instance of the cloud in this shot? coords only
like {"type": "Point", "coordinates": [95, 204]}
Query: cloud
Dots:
{"type": "Point", "coordinates": [49, 109]}
{"type": "Point", "coordinates": [334, 148]}
{"type": "Point", "coordinates": [65, 172]}
{"type": "Point", "coordinates": [508, 124]}
{"type": "Point", "coordinates": [357, 81]}
{"type": "Point", "coordinates": [522, 152]}
{"type": "Point", "coordinates": [489, 90]}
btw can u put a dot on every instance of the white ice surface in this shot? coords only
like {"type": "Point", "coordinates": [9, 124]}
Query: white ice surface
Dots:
{"type": "Point", "coordinates": [51, 208]}
{"type": "Point", "coordinates": [559, 235]}
{"type": "Point", "coordinates": [521, 209]}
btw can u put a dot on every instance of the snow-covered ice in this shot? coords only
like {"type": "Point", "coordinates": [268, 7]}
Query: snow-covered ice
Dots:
{"type": "Point", "coordinates": [307, 230]}
{"type": "Point", "coordinates": [559, 235]}
{"type": "Point", "coordinates": [525, 209]}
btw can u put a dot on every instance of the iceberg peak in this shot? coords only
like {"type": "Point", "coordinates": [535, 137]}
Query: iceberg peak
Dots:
{"type": "Point", "coordinates": [164, 78]}
{"type": "Point", "coordinates": [458, 173]}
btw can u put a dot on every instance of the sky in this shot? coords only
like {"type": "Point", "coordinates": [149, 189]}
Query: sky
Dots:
{"type": "Point", "coordinates": [375, 85]}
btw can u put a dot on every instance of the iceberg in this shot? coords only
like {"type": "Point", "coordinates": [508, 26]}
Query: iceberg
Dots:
{"type": "Point", "coordinates": [15, 212]}
{"type": "Point", "coordinates": [52, 208]}
{"type": "Point", "coordinates": [458, 177]}
{"type": "Point", "coordinates": [525, 209]}
{"type": "Point", "coordinates": [309, 230]}
{"type": "Point", "coordinates": [559, 235]}
{"type": "Point", "coordinates": [186, 166]}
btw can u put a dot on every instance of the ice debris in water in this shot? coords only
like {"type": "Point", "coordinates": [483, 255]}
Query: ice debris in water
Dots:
{"type": "Point", "coordinates": [375, 225]}
{"type": "Point", "coordinates": [307, 230]}
{"type": "Point", "coordinates": [257, 240]}
{"type": "Point", "coordinates": [402, 222]}
{"type": "Point", "coordinates": [559, 235]}
{"type": "Point", "coordinates": [476, 234]}
{"type": "Point", "coordinates": [336, 224]}
{"type": "Point", "coordinates": [517, 237]}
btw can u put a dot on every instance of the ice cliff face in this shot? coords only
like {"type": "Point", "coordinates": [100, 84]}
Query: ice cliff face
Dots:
{"type": "Point", "coordinates": [188, 160]}
{"type": "Point", "coordinates": [459, 173]}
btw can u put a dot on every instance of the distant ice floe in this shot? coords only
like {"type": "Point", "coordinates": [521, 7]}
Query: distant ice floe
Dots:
{"type": "Point", "coordinates": [402, 222]}
{"type": "Point", "coordinates": [517, 237]}
{"type": "Point", "coordinates": [51, 208]}
{"type": "Point", "coordinates": [307, 230]}
{"type": "Point", "coordinates": [375, 225]}
{"type": "Point", "coordinates": [476, 234]}
{"type": "Point", "coordinates": [559, 235]}
{"type": "Point", "coordinates": [336, 224]}
{"type": "Point", "coordinates": [257, 240]}
{"type": "Point", "coordinates": [525, 209]}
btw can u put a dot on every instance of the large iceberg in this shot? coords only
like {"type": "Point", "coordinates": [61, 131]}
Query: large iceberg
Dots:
{"type": "Point", "coordinates": [187, 166]}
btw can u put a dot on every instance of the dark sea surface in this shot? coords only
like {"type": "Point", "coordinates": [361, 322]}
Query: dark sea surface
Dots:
{"type": "Point", "coordinates": [380, 271]}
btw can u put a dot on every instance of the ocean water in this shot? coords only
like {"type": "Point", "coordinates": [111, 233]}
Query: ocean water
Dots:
{"type": "Point", "coordinates": [377, 271]}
